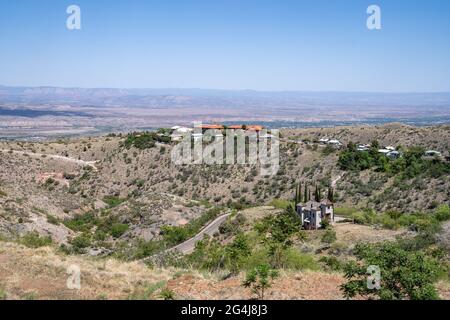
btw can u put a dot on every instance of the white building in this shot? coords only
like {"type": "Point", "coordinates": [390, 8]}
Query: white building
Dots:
{"type": "Point", "coordinates": [313, 213]}
{"type": "Point", "coordinates": [432, 153]}
{"type": "Point", "coordinates": [384, 151]}
{"type": "Point", "coordinates": [363, 147]}
{"type": "Point", "coordinates": [178, 133]}
{"type": "Point", "coordinates": [394, 155]}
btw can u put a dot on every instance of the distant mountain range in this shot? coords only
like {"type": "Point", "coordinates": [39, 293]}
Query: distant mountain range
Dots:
{"type": "Point", "coordinates": [219, 98]}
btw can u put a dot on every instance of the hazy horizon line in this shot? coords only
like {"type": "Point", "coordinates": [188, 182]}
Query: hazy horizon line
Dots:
{"type": "Point", "coordinates": [222, 89]}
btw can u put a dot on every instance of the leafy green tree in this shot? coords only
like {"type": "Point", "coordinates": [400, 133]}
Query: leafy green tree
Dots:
{"type": "Point", "coordinates": [277, 233]}
{"type": "Point", "coordinates": [260, 279]}
{"type": "Point", "coordinates": [404, 274]}
{"type": "Point", "coordinates": [375, 145]}
{"type": "Point", "coordinates": [280, 228]}
{"type": "Point", "coordinates": [236, 253]}
{"type": "Point", "coordinates": [208, 254]}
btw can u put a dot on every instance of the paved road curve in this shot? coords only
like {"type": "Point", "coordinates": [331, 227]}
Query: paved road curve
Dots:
{"type": "Point", "coordinates": [189, 245]}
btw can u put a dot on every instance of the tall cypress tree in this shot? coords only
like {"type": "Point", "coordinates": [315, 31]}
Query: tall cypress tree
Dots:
{"type": "Point", "coordinates": [317, 194]}
{"type": "Point", "coordinates": [330, 194]}
{"type": "Point", "coordinates": [296, 194]}
{"type": "Point", "coordinates": [299, 193]}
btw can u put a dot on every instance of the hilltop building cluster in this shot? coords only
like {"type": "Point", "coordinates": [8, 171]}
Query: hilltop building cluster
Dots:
{"type": "Point", "coordinates": [178, 132]}
{"type": "Point", "coordinates": [389, 151]}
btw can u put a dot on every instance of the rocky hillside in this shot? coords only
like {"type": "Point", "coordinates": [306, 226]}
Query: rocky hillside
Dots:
{"type": "Point", "coordinates": [45, 184]}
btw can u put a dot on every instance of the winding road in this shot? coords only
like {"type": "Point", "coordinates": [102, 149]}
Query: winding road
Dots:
{"type": "Point", "coordinates": [333, 183]}
{"type": "Point", "coordinates": [54, 156]}
{"type": "Point", "coordinates": [189, 245]}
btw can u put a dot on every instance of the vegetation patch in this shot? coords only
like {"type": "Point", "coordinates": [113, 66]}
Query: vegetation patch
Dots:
{"type": "Point", "coordinates": [174, 235]}
{"type": "Point", "coordinates": [412, 164]}
{"type": "Point", "coordinates": [113, 201]}
{"type": "Point", "coordinates": [144, 140]}
{"type": "Point", "coordinates": [404, 274]}
{"type": "Point", "coordinates": [34, 240]}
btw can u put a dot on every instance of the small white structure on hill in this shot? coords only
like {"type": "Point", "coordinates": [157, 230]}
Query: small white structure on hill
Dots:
{"type": "Point", "coordinates": [312, 213]}
{"type": "Point", "coordinates": [393, 155]}
{"type": "Point", "coordinates": [363, 147]}
{"type": "Point", "coordinates": [179, 132]}
{"type": "Point", "coordinates": [432, 153]}
{"type": "Point", "coordinates": [334, 142]}
{"type": "Point", "coordinates": [384, 151]}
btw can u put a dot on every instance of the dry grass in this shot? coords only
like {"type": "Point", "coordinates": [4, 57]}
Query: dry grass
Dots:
{"type": "Point", "coordinates": [43, 272]}
{"type": "Point", "coordinates": [308, 285]}
{"type": "Point", "coordinates": [354, 233]}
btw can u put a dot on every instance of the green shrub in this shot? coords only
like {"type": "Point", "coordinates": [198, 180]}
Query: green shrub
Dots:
{"type": "Point", "coordinates": [80, 242]}
{"type": "Point", "coordinates": [404, 274]}
{"type": "Point", "coordinates": [328, 150]}
{"type": "Point", "coordinates": [410, 166]}
{"type": "Point", "coordinates": [173, 235]}
{"type": "Point", "coordinates": [118, 229]}
{"type": "Point", "coordinates": [53, 220]}
{"type": "Point", "coordinates": [329, 236]}
{"type": "Point", "coordinates": [113, 201]}
{"type": "Point", "coordinates": [443, 213]}
{"type": "Point", "coordinates": [331, 263]}
{"type": "Point", "coordinates": [236, 252]}
{"type": "Point", "coordinates": [257, 257]}
{"type": "Point", "coordinates": [167, 294]}
{"type": "Point", "coordinates": [324, 224]}
{"type": "Point", "coordinates": [34, 240]}
{"type": "Point", "coordinates": [145, 249]}
{"type": "Point", "coordinates": [345, 211]}
{"type": "Point", "coordinates": [388, 222]}
{"type": "Point", "coordinates": [3, 294]}
{"type": "Point", "coordinates": [260, 279]}
{"type": "Point", "coordinates": [280, 203]}
{"type": "Point", "coordinates": [295, 260]}
{"type": "Point", "coordinates": [147, 292]}
{"type": "Point", "coordinates": [82, 223]}
{"type": "Point", "coordinates": [100, 235]}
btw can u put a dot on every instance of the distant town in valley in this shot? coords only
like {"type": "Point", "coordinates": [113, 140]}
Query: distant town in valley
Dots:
{"type": "Point", "coordinates": [37, 113]}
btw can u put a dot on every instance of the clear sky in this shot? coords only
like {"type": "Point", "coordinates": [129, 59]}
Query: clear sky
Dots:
{"type": "Point", "coordinates": [227, 44]}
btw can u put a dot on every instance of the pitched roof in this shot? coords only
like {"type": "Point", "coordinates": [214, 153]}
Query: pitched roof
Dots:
{"type": "Point", "coordinates": [314, 204]}
{"type": "Point", "coordinates": [310, 204]}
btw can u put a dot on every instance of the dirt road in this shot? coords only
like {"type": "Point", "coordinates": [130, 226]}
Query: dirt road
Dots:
{"type": "Point", "coordinates": [54, 156]}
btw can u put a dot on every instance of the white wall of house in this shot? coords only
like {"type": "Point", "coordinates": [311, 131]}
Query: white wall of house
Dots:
{"type": "Point", "coordinates": [312, 217]}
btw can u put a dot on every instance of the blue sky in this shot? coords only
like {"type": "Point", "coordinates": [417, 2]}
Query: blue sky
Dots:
{"type": "Point", "coordinates": [312, 45]}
